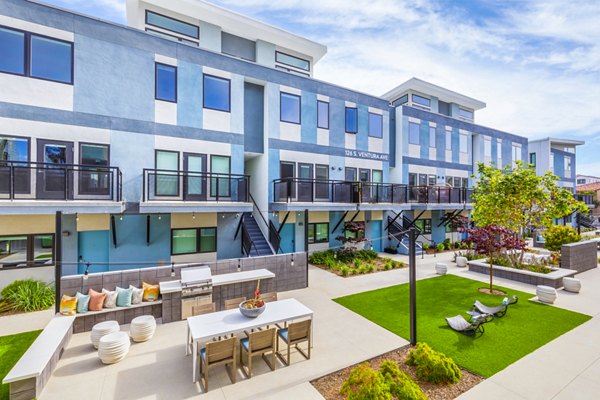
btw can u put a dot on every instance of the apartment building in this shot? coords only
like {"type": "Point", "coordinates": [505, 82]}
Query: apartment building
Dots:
{"type": "Point", "coordinates": [196, 133]}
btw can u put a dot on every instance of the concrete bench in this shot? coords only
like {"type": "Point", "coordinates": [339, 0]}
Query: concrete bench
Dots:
{"type": "Point", "coordinates": [30, 374]}
{"type": "Point", "coordinates": [84, 322]}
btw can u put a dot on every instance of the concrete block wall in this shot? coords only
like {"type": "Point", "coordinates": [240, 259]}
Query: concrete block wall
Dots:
{"type": "Point", "coordinates": [580, 256]}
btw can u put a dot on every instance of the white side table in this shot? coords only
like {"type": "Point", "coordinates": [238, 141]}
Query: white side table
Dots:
{"type": "Point", "coordinates": [572, 285]}
{"type": "Point", "coordinates": [102, 329]}
{"type": "Point", "coordinates": [113, 347]}
{"type": "Point", "coordinates": [142, 328]}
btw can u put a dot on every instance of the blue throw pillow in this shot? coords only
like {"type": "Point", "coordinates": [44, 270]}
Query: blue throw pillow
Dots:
{"type": "Point", "coordinates": [83, 302]}
{"type": "Point", "coordinates": [124, 297]}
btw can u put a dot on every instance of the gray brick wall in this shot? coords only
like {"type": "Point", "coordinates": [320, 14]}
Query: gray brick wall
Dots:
{"type": "Point", "coordinates": [581, 256]}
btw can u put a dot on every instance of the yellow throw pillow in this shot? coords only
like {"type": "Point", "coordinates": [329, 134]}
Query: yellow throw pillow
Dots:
{"type": "Point", "coordinates": [150, 292]}
{"type": "Point", "coordinates": [68, 305]}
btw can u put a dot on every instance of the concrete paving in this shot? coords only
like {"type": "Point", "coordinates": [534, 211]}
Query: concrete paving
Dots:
{"type": "Point", "coordinates": [18, 323]}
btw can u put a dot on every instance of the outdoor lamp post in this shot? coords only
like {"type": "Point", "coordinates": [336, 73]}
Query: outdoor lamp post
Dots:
{"type": "Point", "coordinates": [412, 278]}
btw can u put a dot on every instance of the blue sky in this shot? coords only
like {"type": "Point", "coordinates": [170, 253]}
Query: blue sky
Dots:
{"type": "Point", "coordinates": [535, 63]}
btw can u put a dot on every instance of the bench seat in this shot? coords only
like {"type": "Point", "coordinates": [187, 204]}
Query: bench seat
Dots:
{"type": "Point", "coordinates": [123, 315]}
{"type": "Point", "coordinates": [31, 373]}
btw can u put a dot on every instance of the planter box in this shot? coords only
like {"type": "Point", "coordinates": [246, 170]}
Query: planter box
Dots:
{"type": "Point", "coordinates": [552, 279]}
{"type": "Point", "coordinates": [580, 256]}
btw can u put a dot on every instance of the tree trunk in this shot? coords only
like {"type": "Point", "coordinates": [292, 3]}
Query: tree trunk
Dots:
{"type": "Point", "coordinates": [491, 266]}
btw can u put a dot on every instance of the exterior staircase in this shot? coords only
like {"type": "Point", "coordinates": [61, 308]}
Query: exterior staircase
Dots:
{"type": "Point", "coordinates": [254, 238]}
{"type": "Point", "coordinates": [399, 233]}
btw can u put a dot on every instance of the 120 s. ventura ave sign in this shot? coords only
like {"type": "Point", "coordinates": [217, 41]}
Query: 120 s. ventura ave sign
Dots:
{"type": "Point", "coordinates": [367, 154]}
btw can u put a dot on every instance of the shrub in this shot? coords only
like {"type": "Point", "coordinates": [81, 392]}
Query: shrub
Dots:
{"type": "Point", "coordinates": [401, 385]}
{"type": "Point", "coordinates": [456, 245]}
{"type": "Point", "coordinates": [440, 247]}
{"type": "Point", "coordinates": [426, 246]}
{"type": "Point", "coordinates": [29, 295]}
{"type": "Point", "coordinates": [470, 255]}
{"type": "Point", "coordinates": [344, 270]}
{"type": "Point", "coordinates": [557, 235]}
{"type": "Point", "coordinates": [433, 366]}
{"type": "Point", "coordinates": [364, 383]}
{"type": "Point", "coordinates": [321, 257]}
{"type": "Point", "coordinates": [370, 267]}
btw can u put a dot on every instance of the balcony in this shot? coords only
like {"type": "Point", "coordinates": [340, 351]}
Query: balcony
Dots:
{"type": "Point", "coordinates": [59, 187]}
{"type": "Point", "coordinates": [588, 199]}
{"type": "Point", "coordinates": [299, 190]}
{"type": "Point", "coordinates": [186, 191]}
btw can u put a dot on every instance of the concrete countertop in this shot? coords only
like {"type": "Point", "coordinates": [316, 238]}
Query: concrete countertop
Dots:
{"type": "Point", "coordinates": [222, 280]}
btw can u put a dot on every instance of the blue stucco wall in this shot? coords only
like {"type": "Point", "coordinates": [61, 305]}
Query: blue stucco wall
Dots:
{"type": "Point", "coordinates": [308, 130]}
{"type": "Point", "coordinates": [253, 127]}
{"type": "Point", "coordinates": [189, 94]}
{"type": "Point", "coordinates": [93, 248]}
{"type": "Point", "coordinates": [227, 247]}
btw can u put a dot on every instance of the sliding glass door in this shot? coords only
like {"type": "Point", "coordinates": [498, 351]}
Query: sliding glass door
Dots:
{"type": "Point", "coordinates": [167, 183]}
{"type": "Point", "coordinates": [94, 177]}
{"type": "Point", "coordinates": [194, 184]}
{"type": "Point", "coordinates": [220, 184]}
{"type": "Point", "coordinates": [54, 178]}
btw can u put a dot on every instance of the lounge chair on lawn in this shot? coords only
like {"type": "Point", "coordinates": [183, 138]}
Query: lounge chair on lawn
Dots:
{"type": "Point", "coordinates": [460, 324]}
{"type": "Point", "coordinates": [497, 311]}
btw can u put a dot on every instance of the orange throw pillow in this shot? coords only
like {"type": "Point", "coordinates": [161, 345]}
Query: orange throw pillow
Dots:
{"type": "Point", "coordinates": [96, 300]}
{"type": "Point", "coordinates": [151, 292]}
{"type": "Point", "coordinates": [68, 305]}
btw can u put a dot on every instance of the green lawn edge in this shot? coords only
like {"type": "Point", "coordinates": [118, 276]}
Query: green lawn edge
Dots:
{"type": "Point", "coordinates": [12, 348]}
{"type": "Point", "coordinates": [527, 326]}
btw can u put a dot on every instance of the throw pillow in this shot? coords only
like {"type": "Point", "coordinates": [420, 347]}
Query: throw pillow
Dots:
{"type": "Point", "coordinates": [137, 295]}
{"type": "Point", "coordinates": [83, 302]}
{"type": "Point", "coordinates": [96, 300]}
{"type": "Point", "coordinates": [124, 297]}
{"type": "Point", "coordinates": [111, 298]}
{"type": "Point", "coordinates": [68, 305]}
{"type": "Point", "coordinates": [150, 291]}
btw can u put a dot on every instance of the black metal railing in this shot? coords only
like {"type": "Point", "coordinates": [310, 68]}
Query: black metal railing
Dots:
{"type": "Point", "coordinates": [166, 185]}
{"type": "Point", "coordinates": [247, 242]}
{"type": "Point", "coordinates": [21, 180]}
{"type": "Point", "coordinates": [274, 237]}
{"type": "Point", "coordinates": [331, 191]}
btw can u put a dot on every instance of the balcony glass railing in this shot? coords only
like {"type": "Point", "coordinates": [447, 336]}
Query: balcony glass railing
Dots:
{"type": "Point", "coordinates": [45, 181]}
{"type": "Point", "coordinates": [166, 185]}
{"type": "Point", "coordinates": [329, 191]}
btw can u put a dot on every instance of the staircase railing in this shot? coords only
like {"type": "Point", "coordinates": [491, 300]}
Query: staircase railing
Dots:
{"type": "Point", "coordinates": [398, 233]}
{"type": "Point", "coordinates": [268, 228]}
{"type": "Point", "coordinates": [247, 242]}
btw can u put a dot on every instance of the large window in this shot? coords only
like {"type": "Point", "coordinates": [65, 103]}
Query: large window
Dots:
{"type": "Point", "coordinates": [351, 120]}
{"type": "Point", "coordinates": [172, 24]}
{"type": "Point", "coordinates": [431, 136]}
{"type": "Point", "coordinates": [292, 61]}
{"type": "Point", "coordinates": [94, 179]}
{"type": "Point", "coordinates": [166, 82]}
{"type": "Point", "coordinates": [171, 37]}
{"type": "Point", "coordinates": [516, 152]}
{"type": "Point", "coordinates": [322, 114]}
{"type": "Point", "coordinates": [193, 240]}
{"type": "Point", "coordinates": [318, 233]}
{"type": "Point", "coordinates": [413, 133]}
{"type": "Point", "coordinates": [221, 184]}
{"type": "Point", "coordinates": [217, 93]}
{"type": "Point", "coordinates": [487, 147]}
{"type": "Point", "coordinates": [463, 143]}
{"type": "Point", "coordinates": [424, 225]}
{"type": "Point", "coordinates": [360, 234]}
{"type": "Point", "coordinates": [14, 149]}
{"type": "Point", "coordinates": [167, 183]}
{"type": "Point", "coordinates": [26, 250]}
{"type": "Point", "coordinates": [465, 114]}
{"type": "Point", "coordinates": [567, 166]}
{"type": "Point", "coordinates": [238, 47]}
{"type": "Point", "coordinates": [375, 125]}
{"type": "Point", "coordinates": [46, 58]}
{"type": "Point", "coordinates": [532, 159]}
{"type": "Point", "coordinates": [421, 101]}
{"type": "Point", "coordinates": [290, 108]}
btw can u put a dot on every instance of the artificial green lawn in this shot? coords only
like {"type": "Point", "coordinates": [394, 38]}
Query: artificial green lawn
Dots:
{"type": "Point", "coordinates": [12, 348]}
{"type": "Point", "coordinates": [525, 327]}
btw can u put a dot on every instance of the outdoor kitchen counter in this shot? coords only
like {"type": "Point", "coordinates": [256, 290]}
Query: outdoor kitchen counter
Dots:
{"type": "Point", "coordinates": [239, 277]}
{"type": "Point", "coordinates": [170, 287]}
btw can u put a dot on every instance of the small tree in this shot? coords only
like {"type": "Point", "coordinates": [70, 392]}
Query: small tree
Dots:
{"type": "Point", "coordinates": [491, 240]}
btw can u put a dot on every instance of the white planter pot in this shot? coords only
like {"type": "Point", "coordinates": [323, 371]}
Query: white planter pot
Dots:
{"type": "Point", "coordinates": [546, 294]}
{"type": "Point", "coordinates": [572, 285]}
{"type": "Point", "coordinates": [461, 261]}
{"type": "Point", "coordinates": [441, 268]}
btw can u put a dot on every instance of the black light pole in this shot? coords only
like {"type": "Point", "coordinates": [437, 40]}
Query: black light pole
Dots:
{"type": "Point", "coordinates": [306, 242]}
{"type": "Point", "coordinates": [412, 279]}
{"type": "Point", "coordinates": [57, 259]}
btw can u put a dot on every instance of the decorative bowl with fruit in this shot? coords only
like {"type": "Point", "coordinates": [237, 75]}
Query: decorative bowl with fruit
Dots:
{"type": "Point", "coordinates": [252, 308]}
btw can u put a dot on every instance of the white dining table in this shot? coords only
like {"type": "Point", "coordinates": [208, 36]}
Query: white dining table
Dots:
{"type": "Point", "coordinates": [203, 328]}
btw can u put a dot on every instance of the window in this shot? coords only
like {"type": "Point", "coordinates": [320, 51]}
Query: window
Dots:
{"type": "Point", "coordinates": [456, 182]}
{"type": "Point", "coordinates": [431, 136]}
{"type": "Point", "coordinates": [448, 140]}
{"type": "Point", "coordinates": [220, 165]}
{"type": "Point", "coordinates": [318, 233]}
{"type": "Point", "coordinates": [172, 24]}
{"type": "Point", "coordinates": [167, 183]}
{"type": "Point", "coordinates": [400, 101]}
{"type": "Point", "coordinates": [94, 180]}
{"type": "Point", "coordinates": [443, 108]}
{"type": "Point", "coordinates": [12, 48]}
{"type": "Point", "coordinates": [499, 151]}
{"type": "Point", "coordinates": [422, 179]}
{"type": "Point", "coordinates": [532, 159]}
{"type": "Point", "coordinates": [193, 240]}
{"type": "Point", "coordinates": [424, 225]}
{"type": "Point", "coordinates": [166, 83]}
{"type": "Point", "coordinates": [26, 250]}
{"type": "Point", "coordinates": [217, 93]}
{"type": "Point", "coordinates": [238, 47]}
{"type": "Point", "coordinates": [421, 101]}
{"type": "Point", "coordinates": [516, 152]}
{"type": "Point", "coordinates": [581, 181]}
{"type": "Point", "coordinates": [292, 61]}
{"type": "Point", "coordinates": [463, 144]}
{"type": "Point", "coordinates": [14, 149]}
{"type": "Point", "coordinates": [290, 108]}
{"type": "Point", "coordinates": [449, 180]}
{"type": "Point", "coordinates": [487, 147]}
{"type": "Point", "coordinates": [465, 114]}
{"type": "Point", "coordinates": [431, 180]}
{"type": "Point", "coordinates": [413, 133]}
{"type": "Point", "coordinates": [322, 114]}
{"type": "Point", "coordinates": [172, 37]}
{"type": "Point", "coordinates": [551, 161]}
{"type": "Point", "coordinates": [375, 125]}
{"type": "Point", "coordinates": [567, 166]}
{"type": "Point", "coordinates": [46, 58]}
{"type": "Point", "coordinates": [351, 120]}
{"type": "Point", "coordinates": [465, 182]}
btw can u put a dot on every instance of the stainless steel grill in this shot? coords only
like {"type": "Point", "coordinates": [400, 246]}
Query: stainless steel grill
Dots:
{"type": "Point", "coordinates": [196, 289]}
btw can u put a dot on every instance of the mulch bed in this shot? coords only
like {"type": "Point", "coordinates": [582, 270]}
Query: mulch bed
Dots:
{"type": "Point", "coordinates": [329, 385]}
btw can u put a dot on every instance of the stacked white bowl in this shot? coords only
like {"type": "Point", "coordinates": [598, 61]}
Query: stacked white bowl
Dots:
{"type": "Point", "coordinates": [102, 329]}
{"type": "Point", "coordinates": [113, 347]}
{"type": "Point", "coordinates": [142, 328]}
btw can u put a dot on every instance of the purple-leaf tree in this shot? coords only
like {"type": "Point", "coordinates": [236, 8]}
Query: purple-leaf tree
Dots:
{"type": "Point", "coordinates": [493, 239]}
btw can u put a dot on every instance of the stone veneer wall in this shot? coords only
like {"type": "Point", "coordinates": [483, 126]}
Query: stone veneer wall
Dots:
{"type": "Point", "coordinates": [169, 307]}
{"type": "Point", "coordinates": [580, 256]}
